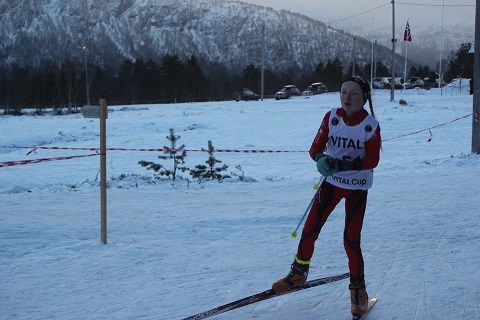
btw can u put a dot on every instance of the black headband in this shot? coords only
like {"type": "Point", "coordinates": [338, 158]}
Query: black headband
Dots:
{"type": "Point", "coordinates": [364, 85]}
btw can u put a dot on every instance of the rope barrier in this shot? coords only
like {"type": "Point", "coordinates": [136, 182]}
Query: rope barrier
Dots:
{"type": "Point", "coordinates": [151, 149]}
{"type": "Point", "coordinates": [427, 129]}
{"type": "Point", "coordinates": [20, 162]}
{"type": "Point", "coordinates": [33, 149]}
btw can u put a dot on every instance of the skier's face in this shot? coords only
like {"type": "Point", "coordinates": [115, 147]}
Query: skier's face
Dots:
{"type": "Point", "coordinates": [351, 98]}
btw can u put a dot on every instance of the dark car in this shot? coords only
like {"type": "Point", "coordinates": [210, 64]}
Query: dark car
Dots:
{"type": "Point", "coordinates": [245, 94]}
{"type": "Point", "coordinates": [315, 88]}
{"type": "Point", "coordinates": [380, 83]}
{"type": "Point", "coordinates": [398, 83]}
{"type": "Point", "coordinates": [386, 83]}
{"type": "Point", "coordinates": [287, 92]}
{"type": "Point", "coordinates": [432, 83]}
{"type": "Point", "coordinates": [414, 82]}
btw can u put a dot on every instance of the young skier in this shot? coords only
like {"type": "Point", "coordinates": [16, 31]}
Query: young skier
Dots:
{"type": "Point", "coordinates": [346, 149]}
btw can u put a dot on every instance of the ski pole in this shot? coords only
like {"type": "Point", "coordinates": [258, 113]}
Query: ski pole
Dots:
{"type": "Point", "coordinates": [315, 186]}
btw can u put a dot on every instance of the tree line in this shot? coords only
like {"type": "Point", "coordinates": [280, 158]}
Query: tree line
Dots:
{"type": "Point", "coordinates": [73, 84]}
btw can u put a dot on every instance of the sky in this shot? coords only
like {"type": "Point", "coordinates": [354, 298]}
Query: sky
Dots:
{"type": "Point", "coordinates": [422, 12]}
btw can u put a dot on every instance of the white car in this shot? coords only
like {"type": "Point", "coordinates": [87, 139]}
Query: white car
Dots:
{"type": "Point", "coordinates": [380, 83]}
{"type": "Point", "coordinates": [287, 92]}
{"type": "Point", "coordinates": [414, 82]}
{"type": "Point", "coordinates": [314, 89]}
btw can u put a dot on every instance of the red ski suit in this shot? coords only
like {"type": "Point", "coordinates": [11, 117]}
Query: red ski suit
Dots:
{"type": "Point", "coordinates": [328, 196]}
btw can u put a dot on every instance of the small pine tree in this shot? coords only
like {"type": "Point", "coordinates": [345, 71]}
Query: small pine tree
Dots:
{"type": "Point", "coordinates": [177, 155]}
{"type": "Point", "coordinates": [209, 171]}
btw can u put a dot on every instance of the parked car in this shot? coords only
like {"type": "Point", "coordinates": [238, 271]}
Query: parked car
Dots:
{"type": "Point", "coordinates": [398, 83]}
{"type": "Point", "coordinates": [245, 94]}
{"type": "Point", "coordinates": [414, 82]}
{"type": "Point", "coordinates": [314, 89]}
{"type": "Point", "coordinates": [432, 83]}
{"type": "Point", "coordinates": [380, 83]}
{"type": "Point", "coordinates": [287, 91]}
{"type": "Point", "coordinates": [385, 83]}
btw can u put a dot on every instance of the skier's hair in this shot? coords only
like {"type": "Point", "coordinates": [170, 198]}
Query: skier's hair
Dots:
{"type": "Point", "coordinates": [367, 92]}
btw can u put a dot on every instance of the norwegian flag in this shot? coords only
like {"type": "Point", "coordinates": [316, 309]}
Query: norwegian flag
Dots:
{"type": "Point", "coordinates": [407, 36]}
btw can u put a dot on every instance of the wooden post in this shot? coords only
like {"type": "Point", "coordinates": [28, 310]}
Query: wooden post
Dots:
{"type": "Point", "coordinates": [476, 84]}
{"type": "Point", "coordinates": [103, 170]}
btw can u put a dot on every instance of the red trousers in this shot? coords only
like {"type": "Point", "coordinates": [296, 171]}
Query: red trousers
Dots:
{"type": "Point", "coordinates": [327, 198]}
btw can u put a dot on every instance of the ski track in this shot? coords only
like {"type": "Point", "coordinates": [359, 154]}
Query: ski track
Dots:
{"type": "Point", "coordinates": [176, 250]}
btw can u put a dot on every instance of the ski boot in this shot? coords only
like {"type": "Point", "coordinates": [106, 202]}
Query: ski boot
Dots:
{"type": "Point", "coordinates": [296, 277]}
{"type": "Point", "coordinates": [359, 298]}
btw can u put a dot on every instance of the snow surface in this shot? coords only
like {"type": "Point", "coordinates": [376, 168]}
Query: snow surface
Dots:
{"type": "Point", "coordinates": [176, 249]}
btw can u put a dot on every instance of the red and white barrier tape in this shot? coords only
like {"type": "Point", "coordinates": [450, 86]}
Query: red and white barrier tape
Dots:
{"type": "Point", "coordinates": [33, 149]}
{"type": "Point", "coordinates": [428, 129]}
{"type": "Point", "coordinates": [20, 162]}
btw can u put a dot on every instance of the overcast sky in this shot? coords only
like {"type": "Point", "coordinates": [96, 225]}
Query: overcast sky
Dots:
{"type": "Point", "coordinates": [419, 12]}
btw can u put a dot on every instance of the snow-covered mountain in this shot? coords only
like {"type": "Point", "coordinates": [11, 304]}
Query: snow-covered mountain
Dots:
{"type": "Point", "coordinates": [428, 41]}
{"type": "Point", "coordinates": [218, 31]}
{"type": "Point", "coordinates": [227, 32]}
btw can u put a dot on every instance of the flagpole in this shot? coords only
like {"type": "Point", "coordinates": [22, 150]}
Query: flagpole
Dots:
{"type": "Point", "coordinates": [407, 37]}
{"type": "Point", "coordinates": [371, 63]}
{"type": "Point", "coordinates": [476, 82]}
{"type": "Point", "coordinates": [405, 71]}
{"type": "Point", "coordinates": [392, 86]}
{"type": "Point", "coordinates": [440, 77]}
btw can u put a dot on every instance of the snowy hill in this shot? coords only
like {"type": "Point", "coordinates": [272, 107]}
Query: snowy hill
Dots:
{"type": "Point", "coordinates": [216, 31]}
{"type": "Point", "coordinates": [176, 249]}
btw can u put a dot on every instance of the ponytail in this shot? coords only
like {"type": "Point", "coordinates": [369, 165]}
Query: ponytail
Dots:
{"type": "Point", "coordinates": [370, 104]}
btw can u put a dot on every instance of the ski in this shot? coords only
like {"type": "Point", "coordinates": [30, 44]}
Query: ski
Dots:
{"type": "Point", "coordinates": [264, 295]}
{"type": "Point", "coordinates": [371, 303]}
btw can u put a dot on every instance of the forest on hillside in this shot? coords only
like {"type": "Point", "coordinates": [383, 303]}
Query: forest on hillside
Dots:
{"type": "Point", "coordinates": [72, 84]}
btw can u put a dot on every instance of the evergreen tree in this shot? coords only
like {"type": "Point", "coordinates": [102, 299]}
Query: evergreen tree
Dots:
{"type": "Point", "coordinates": [196, 84]}
{"type": "Point", "coordinates": [461, 66]}
{"type": "Point", "coordinates": [381, 70]}
{"type": "Point", "coordinates": [251, 77]}
{"type": "Point", "coordinates": [271, 82]}
{"type": "Point", "coordinates": [319, 74]}
{"type": "Point", "coordinates": [152, 81]}
{"type": "Point", "coordinates": [140, 84]}
{"type": "Point", "coordinates": [126, 89]}
{"type": "Point", "coordinates": [413, 72]}
{"type": "Point", "coordinates": [175, 154]}
{"type": "Point", "coordinates": [425, 72]}
{"type": "Point", "coordinates": [103, 84]}
{"type": "Point", "coordinates": [222, 82]}
{"type": "Point", "coordinates": [209, 171]}
{"type": "Point", "coordinates": [367, 70]}
{"type": "Point", "coordinates": [20, 89]}
{"type": "Point", "coordinates": [172, 72]}
{"type": "Point", "coordinates": [70, 84]}
{"type": "Point", "coordinates": [334, 74]}
{"type": "Point", "coordinates": [360, 70]}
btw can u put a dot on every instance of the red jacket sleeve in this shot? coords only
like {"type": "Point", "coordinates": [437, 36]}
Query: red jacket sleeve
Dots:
{"type": "Point", "coordinates": [320, 142]}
